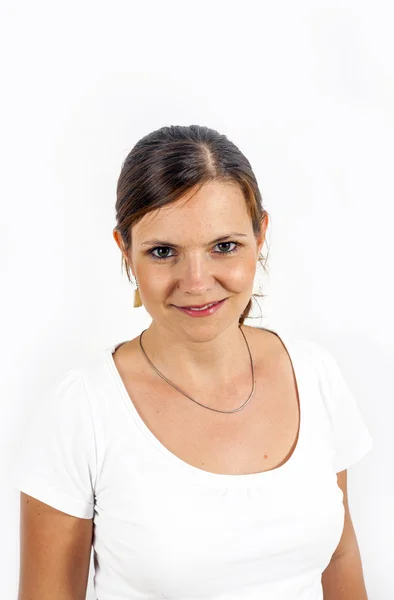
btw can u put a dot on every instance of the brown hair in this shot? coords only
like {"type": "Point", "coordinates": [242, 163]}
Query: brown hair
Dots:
{"type": "Point", "coordinates": [167, 163]}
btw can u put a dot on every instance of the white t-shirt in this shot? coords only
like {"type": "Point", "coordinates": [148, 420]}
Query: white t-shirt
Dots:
{"type": "Point", "coordinates": [166, 529]}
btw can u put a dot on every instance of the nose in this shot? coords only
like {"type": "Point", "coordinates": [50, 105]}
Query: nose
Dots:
{"type": "Point", "coordinates": [195, 275]}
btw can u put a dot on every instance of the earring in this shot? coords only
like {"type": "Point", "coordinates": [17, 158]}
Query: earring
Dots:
{"type": "Point", "coordinates": [137, 297]}
{"type": "Point", "coordinates": [256, 283]}
{"type": "Point", "coordinates": [256, 287]}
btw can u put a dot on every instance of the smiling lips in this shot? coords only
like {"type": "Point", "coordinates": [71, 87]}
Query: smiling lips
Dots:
{"type": "Point", "coordinates": [203, 311]}
{"type": "Point", "coordinates": [200, 306]}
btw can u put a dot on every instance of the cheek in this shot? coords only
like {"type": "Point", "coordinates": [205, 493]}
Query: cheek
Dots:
{"type": "Point", "coordinates": [155, 283]}
{"type": "Point", "coordinates": [240, 276]}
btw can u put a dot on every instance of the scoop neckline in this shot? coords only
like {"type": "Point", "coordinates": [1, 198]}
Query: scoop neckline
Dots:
{"type": "Point", "coordinates": [191, 470]}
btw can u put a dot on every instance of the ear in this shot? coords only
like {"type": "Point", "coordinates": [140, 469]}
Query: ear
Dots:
{"type": "Point", "coordinates": [263, 230]}
{"type": "Point", "coordinates": [118, 239]}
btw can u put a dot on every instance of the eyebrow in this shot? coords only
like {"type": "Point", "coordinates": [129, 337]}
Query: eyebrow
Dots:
{"type": "Point", "coordinates": [215, 241]}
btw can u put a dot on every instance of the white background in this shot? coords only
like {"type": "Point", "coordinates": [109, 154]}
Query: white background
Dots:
{"type": "Point", "coordinates": [305, 89]}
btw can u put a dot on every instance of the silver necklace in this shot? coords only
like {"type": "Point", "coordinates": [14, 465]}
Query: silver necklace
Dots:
{"type": "Point", "coordinates": [187, 396]}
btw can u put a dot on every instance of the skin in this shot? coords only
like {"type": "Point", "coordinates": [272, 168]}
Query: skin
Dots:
{"type": "Point", "coordinates": [195, 273]}
{"type": "Point", "coordinates": [343, 578]}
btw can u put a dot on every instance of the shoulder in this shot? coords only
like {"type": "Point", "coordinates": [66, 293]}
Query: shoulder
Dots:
{"type": "Point", "coordinates": [278, 348]}
{"type": "Point", "coordinates": [77, 386]}
{"type": "Point", "coordinates": [263, 340]}
{"type": "Point", "coordinates": [277, 343]}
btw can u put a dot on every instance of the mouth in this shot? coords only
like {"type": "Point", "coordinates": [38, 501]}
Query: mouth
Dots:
{"type": "Point", "coordinates": [205, 310]}
{"type": "Point", "coordinates": [201, 306]}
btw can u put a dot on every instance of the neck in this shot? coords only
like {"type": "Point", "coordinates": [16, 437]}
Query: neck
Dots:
{"type": "Point", "coordinates": [208, 360]}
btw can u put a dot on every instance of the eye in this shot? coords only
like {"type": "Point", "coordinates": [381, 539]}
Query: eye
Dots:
{"type": "Point", "coordinates": [230, 251]}
{"type": "Point", "coordinates": [159, 249]}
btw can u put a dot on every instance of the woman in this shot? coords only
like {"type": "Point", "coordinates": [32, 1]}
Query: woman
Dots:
{"type": "Point", "coordinates": [204, 458]}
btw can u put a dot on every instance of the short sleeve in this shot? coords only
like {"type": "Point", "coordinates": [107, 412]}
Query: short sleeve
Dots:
{"type": "Point", "coordinates": [57, 459]}
{"type": "Point", "coordinates": [350, 436]}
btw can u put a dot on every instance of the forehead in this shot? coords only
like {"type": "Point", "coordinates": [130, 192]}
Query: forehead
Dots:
{"type": "Point", "coordinates": [215, 207]}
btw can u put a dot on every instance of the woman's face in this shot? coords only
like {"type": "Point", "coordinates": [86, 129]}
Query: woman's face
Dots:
{"type": "Point", "coordinates": [178, 261]}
